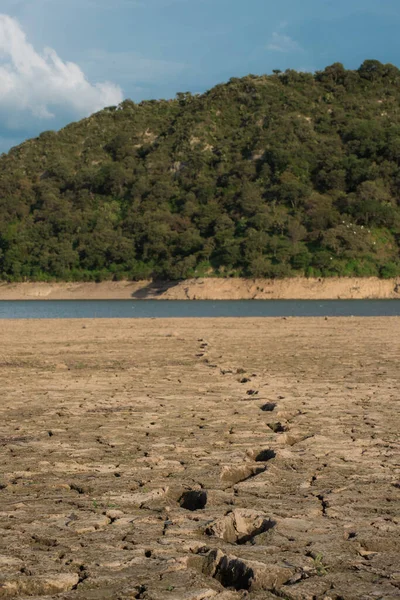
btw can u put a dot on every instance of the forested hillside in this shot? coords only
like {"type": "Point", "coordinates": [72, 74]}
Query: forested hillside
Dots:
{"type": "Point", "coordinates": [270, 176]}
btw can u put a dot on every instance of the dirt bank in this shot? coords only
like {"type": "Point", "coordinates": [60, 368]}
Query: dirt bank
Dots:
{"type": "Point", "coordinates": [210, 289]}
{"type": "Point", "coordinates": [200, 459]}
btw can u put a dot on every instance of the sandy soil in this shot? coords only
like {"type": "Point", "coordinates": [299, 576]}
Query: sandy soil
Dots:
{"type": "Point", "coordinates": [200, 459]}
{"type": "Point", "coordinates": [210, 289]}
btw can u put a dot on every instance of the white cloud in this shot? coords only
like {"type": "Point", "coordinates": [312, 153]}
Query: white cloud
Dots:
{"type": "Point", "coordinates": [41, 85]}
{"type": "Point", "coordinates": [280, 42]}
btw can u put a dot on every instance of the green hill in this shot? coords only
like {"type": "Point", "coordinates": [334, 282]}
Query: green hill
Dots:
{"type": "Point", "coordinates": [282, 175]}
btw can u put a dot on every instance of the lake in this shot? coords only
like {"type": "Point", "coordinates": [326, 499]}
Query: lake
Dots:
{"type": "Point", "coordinates": [140, 309]}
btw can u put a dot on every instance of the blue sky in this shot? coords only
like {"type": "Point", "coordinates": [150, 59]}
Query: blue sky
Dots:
{"type": "Point", "coordinates": [61, 60]}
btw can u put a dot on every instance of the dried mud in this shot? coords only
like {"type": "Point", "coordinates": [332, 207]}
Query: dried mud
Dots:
{"type": "Point", "coordinates": [198, 459]}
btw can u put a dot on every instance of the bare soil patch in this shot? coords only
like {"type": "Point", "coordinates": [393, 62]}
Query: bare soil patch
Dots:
{"type": "Point", "coordinates": [295, 288]}
{"type": "Point", "coordinates": [132, 467]}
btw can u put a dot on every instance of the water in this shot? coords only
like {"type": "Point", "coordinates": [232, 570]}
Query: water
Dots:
{"type": "Point", "coordinates": [139, 309]}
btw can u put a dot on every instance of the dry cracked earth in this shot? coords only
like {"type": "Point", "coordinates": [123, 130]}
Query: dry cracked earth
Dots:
{"type": "Point", "coordinates": [200, 459]}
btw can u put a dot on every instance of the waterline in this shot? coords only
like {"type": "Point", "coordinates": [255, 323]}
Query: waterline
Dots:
{"type": "Point", "coordinates": [145, 309]}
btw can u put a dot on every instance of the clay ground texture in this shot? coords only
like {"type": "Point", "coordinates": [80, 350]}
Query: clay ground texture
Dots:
{"type": "Point", "coordinates": [200, 459]}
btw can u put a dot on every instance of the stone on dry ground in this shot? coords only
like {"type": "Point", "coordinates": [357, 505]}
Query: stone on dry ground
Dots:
{"type": "Point", "coordinates": [197, 459]}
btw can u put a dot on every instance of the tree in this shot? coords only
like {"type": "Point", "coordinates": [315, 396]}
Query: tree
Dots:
{"type": "Point", "coordinates": [266, 175]}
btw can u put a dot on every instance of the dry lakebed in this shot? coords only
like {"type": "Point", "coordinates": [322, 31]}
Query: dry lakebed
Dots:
{"type": "Point", "coordinates": [199, 459]}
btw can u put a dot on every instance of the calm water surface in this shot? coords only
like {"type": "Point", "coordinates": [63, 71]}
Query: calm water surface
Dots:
{"type": "Point", "coordinates": [139, 309]}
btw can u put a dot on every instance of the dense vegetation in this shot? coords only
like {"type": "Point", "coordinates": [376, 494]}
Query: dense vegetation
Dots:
{"type": "Point", "coordinates": [269, 176]}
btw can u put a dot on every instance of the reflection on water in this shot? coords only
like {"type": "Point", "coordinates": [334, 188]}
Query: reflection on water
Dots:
{"type": "Point", "coordinates": [67, 309]}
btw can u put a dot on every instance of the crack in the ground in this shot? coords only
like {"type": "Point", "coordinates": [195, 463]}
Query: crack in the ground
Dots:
{"type": "Point", "coordinates": [324, 504]}
{"type": "Point", "coordinates": [83, 576]}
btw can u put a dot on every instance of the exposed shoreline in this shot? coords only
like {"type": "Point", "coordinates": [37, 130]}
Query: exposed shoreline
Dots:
{"type": "Point", "coordinates": [151, 451]}
{"type": "Point", "coordinates": [209, 289]}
